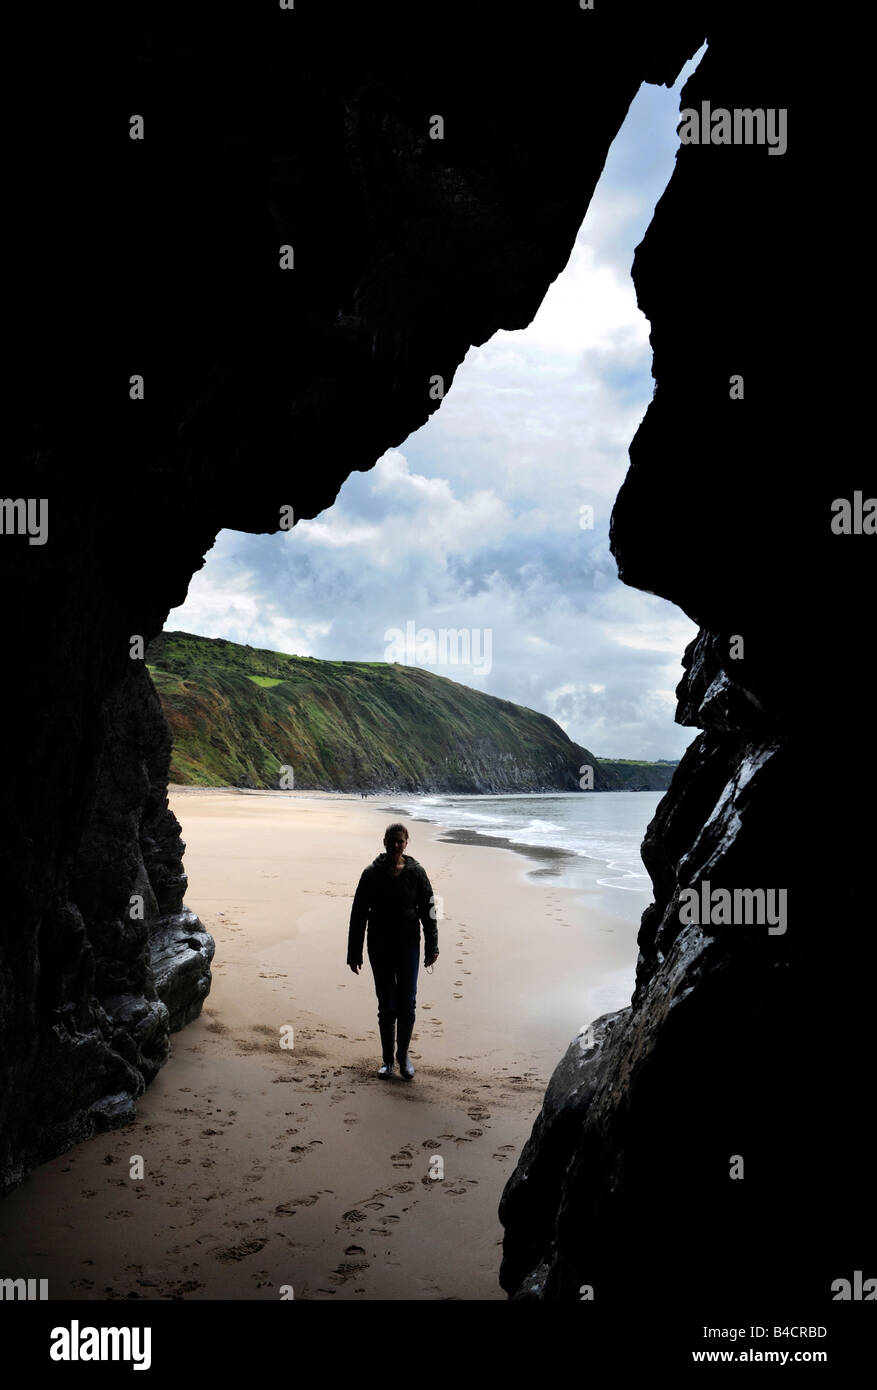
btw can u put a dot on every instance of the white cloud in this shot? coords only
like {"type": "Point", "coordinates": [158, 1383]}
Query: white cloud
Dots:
{"type": "Point", "coordinates": [336, 532]}
{"type": "Point", "coordinates": [589, 307]}
{"type": "Point", "coordinates": [233, 606]}
{"type": "Point", "coordinates": [662, 635]}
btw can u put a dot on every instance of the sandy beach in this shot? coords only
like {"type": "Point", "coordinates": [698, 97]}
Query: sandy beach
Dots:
{"type": "Point", "coordinates": [268, 1166]}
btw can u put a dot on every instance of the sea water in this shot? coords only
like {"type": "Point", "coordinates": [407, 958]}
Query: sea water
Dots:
{"type": "Point", "coordinates": [579, 839]}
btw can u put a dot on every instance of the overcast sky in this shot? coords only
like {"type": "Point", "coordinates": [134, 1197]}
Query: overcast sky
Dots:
{"type": "Point", "coordinates": [475, 522]}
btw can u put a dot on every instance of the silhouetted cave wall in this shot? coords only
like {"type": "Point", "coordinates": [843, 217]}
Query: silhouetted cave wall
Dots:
{"type": "Point", "coordinates": [266, 388]}
{"type": "Point", "coordinates": [737, 1042]}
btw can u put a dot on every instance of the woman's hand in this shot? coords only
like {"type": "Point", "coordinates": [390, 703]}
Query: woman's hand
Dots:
{"type": "Point", "coordinates": [430, 960]}
{"type": "Point", "coordinates": [355, 968]}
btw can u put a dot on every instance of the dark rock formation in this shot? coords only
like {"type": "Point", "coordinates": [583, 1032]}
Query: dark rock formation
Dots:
{"type": "Point", "coordinates": [264, 389]}
{"type": "Point", "coordinates": [180, 955]}
{"type": "Point", "coordinates": [111, 976]}
{"type": "Point", "coordinates": [737, 1042]}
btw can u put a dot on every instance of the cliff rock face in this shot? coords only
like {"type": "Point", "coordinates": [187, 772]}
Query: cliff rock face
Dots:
{"type": "Point", "coordinates": [741, 1041]}
{"type": "Point", "coordinates": [118, 962]}
{"type": "Point", "coordinates": [264, 389]}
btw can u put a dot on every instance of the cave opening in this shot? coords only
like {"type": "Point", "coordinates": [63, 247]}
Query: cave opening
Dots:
{"type": "Point", "coordinates": [491, 521]}
{"type": "Point", "coordinates": [416, 248]}
{"type": "Point", "coordinates": [493, 517]}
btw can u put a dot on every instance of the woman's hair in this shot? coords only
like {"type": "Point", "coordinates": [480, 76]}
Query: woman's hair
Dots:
{"type": "Point", "coordinates": [397, 825]}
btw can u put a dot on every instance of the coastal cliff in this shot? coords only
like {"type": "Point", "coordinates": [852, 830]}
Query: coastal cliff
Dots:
{"type": "Point", "coordinates": [240, 716]}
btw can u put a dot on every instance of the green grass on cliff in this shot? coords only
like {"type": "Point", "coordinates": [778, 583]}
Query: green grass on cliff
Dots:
{"type": "Point", "coordinates": [635, 775]}
{"type": "Point", "coordinates": [239, 714]}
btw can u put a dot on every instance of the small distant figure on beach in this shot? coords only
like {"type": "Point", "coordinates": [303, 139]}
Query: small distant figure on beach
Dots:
{"type": "Point", "coordinates": [393, 897]}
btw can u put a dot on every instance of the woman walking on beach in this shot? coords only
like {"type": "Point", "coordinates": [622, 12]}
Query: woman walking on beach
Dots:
{"type": "Point", "coordinates": [393, 897]}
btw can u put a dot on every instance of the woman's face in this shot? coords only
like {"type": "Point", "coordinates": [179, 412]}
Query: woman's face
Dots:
{"type": "Point", "coordinates": [395, 842]}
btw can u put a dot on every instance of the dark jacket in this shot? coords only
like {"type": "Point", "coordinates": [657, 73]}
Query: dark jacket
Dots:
{"type": "Point", "coordinates": [393, 907]}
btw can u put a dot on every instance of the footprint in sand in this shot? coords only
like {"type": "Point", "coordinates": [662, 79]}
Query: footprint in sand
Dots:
{"type": "Point", "coordinates": [478, 1113]}
{"type": "Point", "coordinates": [353, 1215]}
{"type": "Point", "coordinates": [458, 996]}
{"type": "Point", "coordinates": [298, 1151]}
{"type": "Point", "coordinates": [240, 1251]}
{"type": "Point", "coordinates": [430, 1144]}
{"type": "Point", "coordinates": [403, 1187]}
{"type": "Point", "coordinates": [402, 1159]}
{"type": "Point", "coordinates": [289, 1208]}
{"type": "Point", "coordinates": [347, 1269]}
